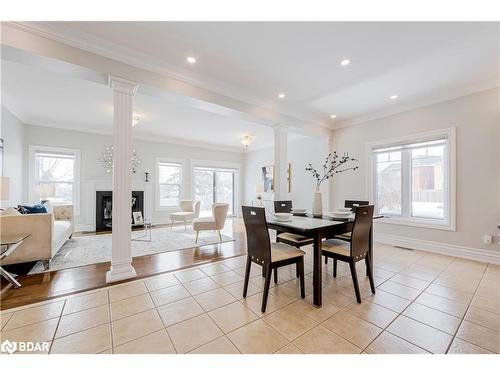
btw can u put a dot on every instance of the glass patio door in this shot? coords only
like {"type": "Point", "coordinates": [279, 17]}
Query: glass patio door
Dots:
{"type": "Point", "coordinates": [213, 185]}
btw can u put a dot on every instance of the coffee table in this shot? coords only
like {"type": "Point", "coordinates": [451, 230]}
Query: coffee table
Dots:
{"type": "Point", "coordinates": [8, 245]}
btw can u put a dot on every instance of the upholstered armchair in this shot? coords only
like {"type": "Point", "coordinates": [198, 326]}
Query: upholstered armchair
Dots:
{"type": "Point", "coordinates": [189, 210]}
{"type": "Point", "coordinates": [215, 222]}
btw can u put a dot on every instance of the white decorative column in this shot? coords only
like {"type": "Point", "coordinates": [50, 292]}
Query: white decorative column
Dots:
{"type": "Point", "coordinates": [280, 162]}
{"type": "Point", "coordinates": [331, 203]}
{"type": "Point", "coordinates": [123, 103]}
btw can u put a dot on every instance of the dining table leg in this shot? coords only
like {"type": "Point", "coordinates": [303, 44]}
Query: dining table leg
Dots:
{"type": "Point", "coordinates": [370, 250]}
{"type": "Point", "coordinates": [317, 271]}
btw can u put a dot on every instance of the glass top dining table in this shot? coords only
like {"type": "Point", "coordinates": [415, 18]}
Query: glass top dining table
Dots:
{"type": "Point", "coordinates": [318, 229]}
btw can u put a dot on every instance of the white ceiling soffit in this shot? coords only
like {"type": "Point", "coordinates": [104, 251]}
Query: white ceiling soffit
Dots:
{"type": "Point", "coordinates": [44, 98]}
{"type": "Point", "coordinates": [249, 110]}
{"type": "Point", "coordinates": [421, 62]}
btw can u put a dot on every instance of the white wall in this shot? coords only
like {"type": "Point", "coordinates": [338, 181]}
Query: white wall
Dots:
{"type": "Point", "coordinates": [300, 153]}
{"type": "Point", "coordinates": [12, 132]}
{"type": "Point", "coordinates": [476, 118]}
{"type": "Point", "coordinates": [92, 146]}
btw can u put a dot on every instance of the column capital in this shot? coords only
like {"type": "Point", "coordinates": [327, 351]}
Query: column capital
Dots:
{"type": "Point", "coordinates": [279, 127]}
{"type": "Point", "coordinates": [122, 85]}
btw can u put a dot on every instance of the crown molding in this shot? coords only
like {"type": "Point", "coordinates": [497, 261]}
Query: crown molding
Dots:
{"type": "Point", "coordinates": [102, 47]}
{"type": "Point", "coordinates": [416, 104]}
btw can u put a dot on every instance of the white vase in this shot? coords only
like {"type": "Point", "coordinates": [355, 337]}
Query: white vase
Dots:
{"type": "Point", "coordinates": [317, 210]}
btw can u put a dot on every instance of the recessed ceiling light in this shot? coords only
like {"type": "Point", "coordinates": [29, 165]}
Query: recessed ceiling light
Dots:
{"type": "Point", "coordinates": [392, 97]}
{"type": "Point", "coordinates": [191, 59]}
{"type": "Point", "coordinates": [333, 116]}
{"type": "Point", "coordinates": [281, 95]}
{"type": "Point", "coordinates": [345, 62]}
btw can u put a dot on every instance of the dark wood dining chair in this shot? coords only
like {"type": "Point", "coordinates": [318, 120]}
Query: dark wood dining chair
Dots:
{"type": "Point", "coordinates": [291, 239]}
{"type": "Point", "coordinates": [355, 250]}
{"type": "Point", "coordinates": [269, 255]}
{"type": "Point", "coordinates": [349, 204]}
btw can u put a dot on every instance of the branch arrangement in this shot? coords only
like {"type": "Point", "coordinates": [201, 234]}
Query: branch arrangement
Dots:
{"type": "Point", "coordinates": [333, 164]}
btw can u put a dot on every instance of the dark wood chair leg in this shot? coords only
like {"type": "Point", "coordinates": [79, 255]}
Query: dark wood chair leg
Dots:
{"type": "Point", "coordinates": [297, 271]}
{"type": "Point", "coordinates": [266, 287]}
{"type": "Point", "coordinates": [370, 273]}
{"type": "Point", "coordinates": [334, 267]}
{"type": "Point", "coordinates": [247, 277]}
{"type": "Point", "coordinates": [300, 270]}
{"type": "Point", "coordinates": [276, 275]}
{"type": "Point", "coordinates": [355, 280]}
{"type": "Point", "coordinates": [326, 260]}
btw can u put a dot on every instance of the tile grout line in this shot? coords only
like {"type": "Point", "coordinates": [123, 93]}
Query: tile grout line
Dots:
{"type": "Point", "coordinates": [57, 327]}
{"type": "Point", "coordinates": [466, 311]}
{"type": "Point", "coordinates": [401, 313]}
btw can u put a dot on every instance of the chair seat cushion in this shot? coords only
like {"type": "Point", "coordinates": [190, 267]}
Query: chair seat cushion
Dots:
{"type": "Point", "coordinates": [336, 247]}
{"type": "Point", "coordinates": [295, 238]}
{"type": "Point", "coordinates": [281, 251]}
{"type": "Point", "coordinates": [181, 215]}
{"type": "Point", "coordinates": [344, 236]}
{"type": "Point", "coordinates": [204, 223]}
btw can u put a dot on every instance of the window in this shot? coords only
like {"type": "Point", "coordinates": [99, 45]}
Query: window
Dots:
{"type": "Point", "coordinates": [169, 184]}
{"type": "Point", "coordinates": [412, 180]}
{"type": "Point", "coordinates": [54, 175]}
{"type": "Point", "coordinates": [214, 185]}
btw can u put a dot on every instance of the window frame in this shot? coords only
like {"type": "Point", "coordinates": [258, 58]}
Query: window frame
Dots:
{"type": "Point", "coordinates": [177, 162]}
{"type": "Point", "coordinates": [33, 179]}
{"type": "Point", "coordinates": [449, 223]}
{"type": "Point", "coordinates": [222, 165]}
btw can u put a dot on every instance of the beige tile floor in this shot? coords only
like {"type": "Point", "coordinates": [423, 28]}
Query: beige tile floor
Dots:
{"type": "Point", "coordinates": [425, 303]}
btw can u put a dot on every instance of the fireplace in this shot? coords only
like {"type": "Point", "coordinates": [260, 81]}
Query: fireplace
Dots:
{"type": "Point", "coordinates": [104, 208]}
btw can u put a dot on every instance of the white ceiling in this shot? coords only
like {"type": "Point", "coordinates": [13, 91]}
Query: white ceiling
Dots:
{"type": "Point", "coordinates": [421, 62]}
{"type": "Point", "coordinates": [43, 98]}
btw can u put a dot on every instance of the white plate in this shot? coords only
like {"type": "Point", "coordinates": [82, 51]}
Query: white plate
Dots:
{"type": "Point", "coordinates": [339, 215]}
{"type": "Point", "coordinates": [299, 211]}
{"type": "Point", "coordinates": [342, 209]}
{"type": "Point", "coordinates": [283, 219]}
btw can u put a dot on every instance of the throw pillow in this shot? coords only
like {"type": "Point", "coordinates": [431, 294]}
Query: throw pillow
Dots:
{"type": "Point", "coordinates": [35, 209]}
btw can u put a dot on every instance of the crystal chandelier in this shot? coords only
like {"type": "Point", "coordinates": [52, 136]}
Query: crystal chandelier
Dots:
{"type": "Point", "coordinates": [107, 160]}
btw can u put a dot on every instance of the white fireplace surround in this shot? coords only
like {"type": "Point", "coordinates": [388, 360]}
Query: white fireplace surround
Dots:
{"type": "Point", "coordinates": [89, 191]}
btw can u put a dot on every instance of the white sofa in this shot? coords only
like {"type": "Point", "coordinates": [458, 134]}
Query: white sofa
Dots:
{"type": "Point", "coordinates": [48, 233]}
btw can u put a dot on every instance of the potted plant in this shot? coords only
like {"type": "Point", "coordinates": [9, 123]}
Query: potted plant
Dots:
{"type": "Point", "coordinates": [333, 164]}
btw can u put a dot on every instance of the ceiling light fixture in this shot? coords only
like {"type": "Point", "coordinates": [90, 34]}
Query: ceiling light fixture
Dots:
{"type": "Point", "coordinates": [345, 62]}
{"type": "Point", "coordinates": [392, 97]}
{"type": "Point", "coordinates": [191, 59]}
{"type": "Point", "coordinates": [333, 116]}
{"type": "Point", "coordinates": [135, 119]}
{"type": "Point", "coordinates": [246, 140]}
{"type": "Point", "coordinates": [281, 95]}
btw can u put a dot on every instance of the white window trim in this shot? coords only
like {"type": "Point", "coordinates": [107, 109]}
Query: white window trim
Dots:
{"type": "Point", "coordinates": [236, 167]}
{"type": "Point", "coordinates": [450, 160]}
{"type": "Point", "coordinates": [32, 149]}
{"type": "Point", "coordinates": [182, 163]}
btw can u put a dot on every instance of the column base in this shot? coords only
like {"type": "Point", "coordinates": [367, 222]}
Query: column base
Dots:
{"type": "Point", "coordinates": [118, 272]}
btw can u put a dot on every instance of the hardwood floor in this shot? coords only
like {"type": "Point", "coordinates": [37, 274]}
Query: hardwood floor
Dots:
{"type": "Point", "coordinates": [40, 287]}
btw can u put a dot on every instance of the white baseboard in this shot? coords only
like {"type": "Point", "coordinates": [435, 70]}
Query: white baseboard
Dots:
{"type": "Point", "coordinates": [480, 255]}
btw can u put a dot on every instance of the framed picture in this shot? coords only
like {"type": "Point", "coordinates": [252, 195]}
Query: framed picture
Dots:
{"type": "Point", "coordinates": [137, 215]}
{"type": "Point", "coordinates": [1, 157]}
{"type": "Point", "coordinates": [268, 178]}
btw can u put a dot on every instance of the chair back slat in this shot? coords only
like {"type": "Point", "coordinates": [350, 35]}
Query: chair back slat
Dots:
{"type": "Point", "coordinates": [360, 239]}
{"type": "Point", "coordinates": [283, 207]}
{"type": "Point", "coordinates": [258, 241]}
{"type": "Point", "coordinates": [352, 204]}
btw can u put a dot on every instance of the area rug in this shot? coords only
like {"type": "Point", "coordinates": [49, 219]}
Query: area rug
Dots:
{"type": "Point", "coordinates": [85, 250]}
